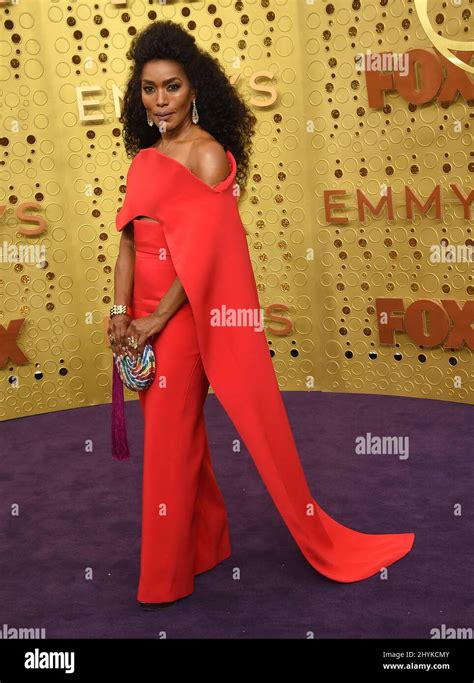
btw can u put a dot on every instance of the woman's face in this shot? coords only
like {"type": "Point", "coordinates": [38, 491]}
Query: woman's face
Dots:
{"type": "Point", "coordinates": [166, 94]}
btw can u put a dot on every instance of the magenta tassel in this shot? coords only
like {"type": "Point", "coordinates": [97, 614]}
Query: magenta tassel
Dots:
{"type": "Point", "coordinates": [120, 449]}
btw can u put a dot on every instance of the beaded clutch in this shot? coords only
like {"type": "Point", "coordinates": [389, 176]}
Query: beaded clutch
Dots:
{"type": "Point", "coordinates": [137, 374]}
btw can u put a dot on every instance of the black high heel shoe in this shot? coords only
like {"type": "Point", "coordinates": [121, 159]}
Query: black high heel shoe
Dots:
{"type": "Point", "coordinates": [156, 605]}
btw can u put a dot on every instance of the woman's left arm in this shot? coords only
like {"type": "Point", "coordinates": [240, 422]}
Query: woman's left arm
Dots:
{"type": "Point", "coordinates": [170, 302]}
{"type": "Point", "coordinates": [143, 328]}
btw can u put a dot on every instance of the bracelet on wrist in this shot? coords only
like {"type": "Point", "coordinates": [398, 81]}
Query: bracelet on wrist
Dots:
{"type": "Point", "coordinates": [120, 309]}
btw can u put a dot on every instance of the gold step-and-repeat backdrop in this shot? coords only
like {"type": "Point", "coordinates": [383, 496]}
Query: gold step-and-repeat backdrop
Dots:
{"type": "Point", "coordinates": [358, 206]}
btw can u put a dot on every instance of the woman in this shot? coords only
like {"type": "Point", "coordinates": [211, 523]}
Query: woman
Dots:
{"type": "Point", "coordinates": [184, 281]}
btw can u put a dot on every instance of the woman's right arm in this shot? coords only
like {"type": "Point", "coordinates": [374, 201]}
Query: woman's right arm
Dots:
{"type": "Point", "coordinates": [123, 288]}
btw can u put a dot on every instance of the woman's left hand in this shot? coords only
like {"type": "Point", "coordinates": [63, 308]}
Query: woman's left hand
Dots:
{"type": "Point", "coordinates": [141, 329]}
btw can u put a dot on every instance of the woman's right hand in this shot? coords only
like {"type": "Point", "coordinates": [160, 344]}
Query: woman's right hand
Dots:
{"type": "Point", "coordinates": [118, 326]}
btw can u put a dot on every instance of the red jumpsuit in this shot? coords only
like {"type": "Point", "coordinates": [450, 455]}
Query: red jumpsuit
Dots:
{"type": "Point", "coordinates": [194, 231]}
{"type": "Point", "coordinates": [184, 519]}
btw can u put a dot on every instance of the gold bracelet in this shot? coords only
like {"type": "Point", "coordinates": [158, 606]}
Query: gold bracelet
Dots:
{"type": "Point", "coordinates": [120, 309]}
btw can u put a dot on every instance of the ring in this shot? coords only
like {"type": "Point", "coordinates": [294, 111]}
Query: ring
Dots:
{"type": "Point", "coordinates": [132, 342]}
{"type": "Point", "coordinates": [111, 338]}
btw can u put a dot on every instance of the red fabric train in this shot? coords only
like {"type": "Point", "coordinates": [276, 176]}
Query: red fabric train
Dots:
{"type": "Point", "coordinates": [209, 251]}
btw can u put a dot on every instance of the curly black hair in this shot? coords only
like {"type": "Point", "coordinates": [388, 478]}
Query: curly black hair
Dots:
{"type": "Point", "coordinates": [222, 112]}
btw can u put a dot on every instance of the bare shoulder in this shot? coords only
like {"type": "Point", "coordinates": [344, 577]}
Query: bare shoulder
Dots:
{"type": "Point", "coordinates": [210, 162]}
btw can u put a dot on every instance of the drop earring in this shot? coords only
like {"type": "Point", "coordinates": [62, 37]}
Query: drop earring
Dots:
{"type": "Point", "coordinates": [148, 120]}
{"type": "Point", "coordinates": [194, 115]}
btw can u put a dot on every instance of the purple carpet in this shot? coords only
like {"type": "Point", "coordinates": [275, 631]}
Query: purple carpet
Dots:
{"type": "Point", "coordinates": [70, 526]}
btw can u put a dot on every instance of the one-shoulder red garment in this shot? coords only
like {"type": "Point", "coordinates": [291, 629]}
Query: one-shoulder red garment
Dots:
{"type": "Point", "coordinates": [208, 248]}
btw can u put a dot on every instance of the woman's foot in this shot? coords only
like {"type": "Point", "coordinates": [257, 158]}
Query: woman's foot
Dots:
{"type": "Point", "coordinates": [155, 605]}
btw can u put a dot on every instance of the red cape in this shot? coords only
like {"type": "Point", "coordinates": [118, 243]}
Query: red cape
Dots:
{"type": "Point", "coordinates": [208, 247]}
